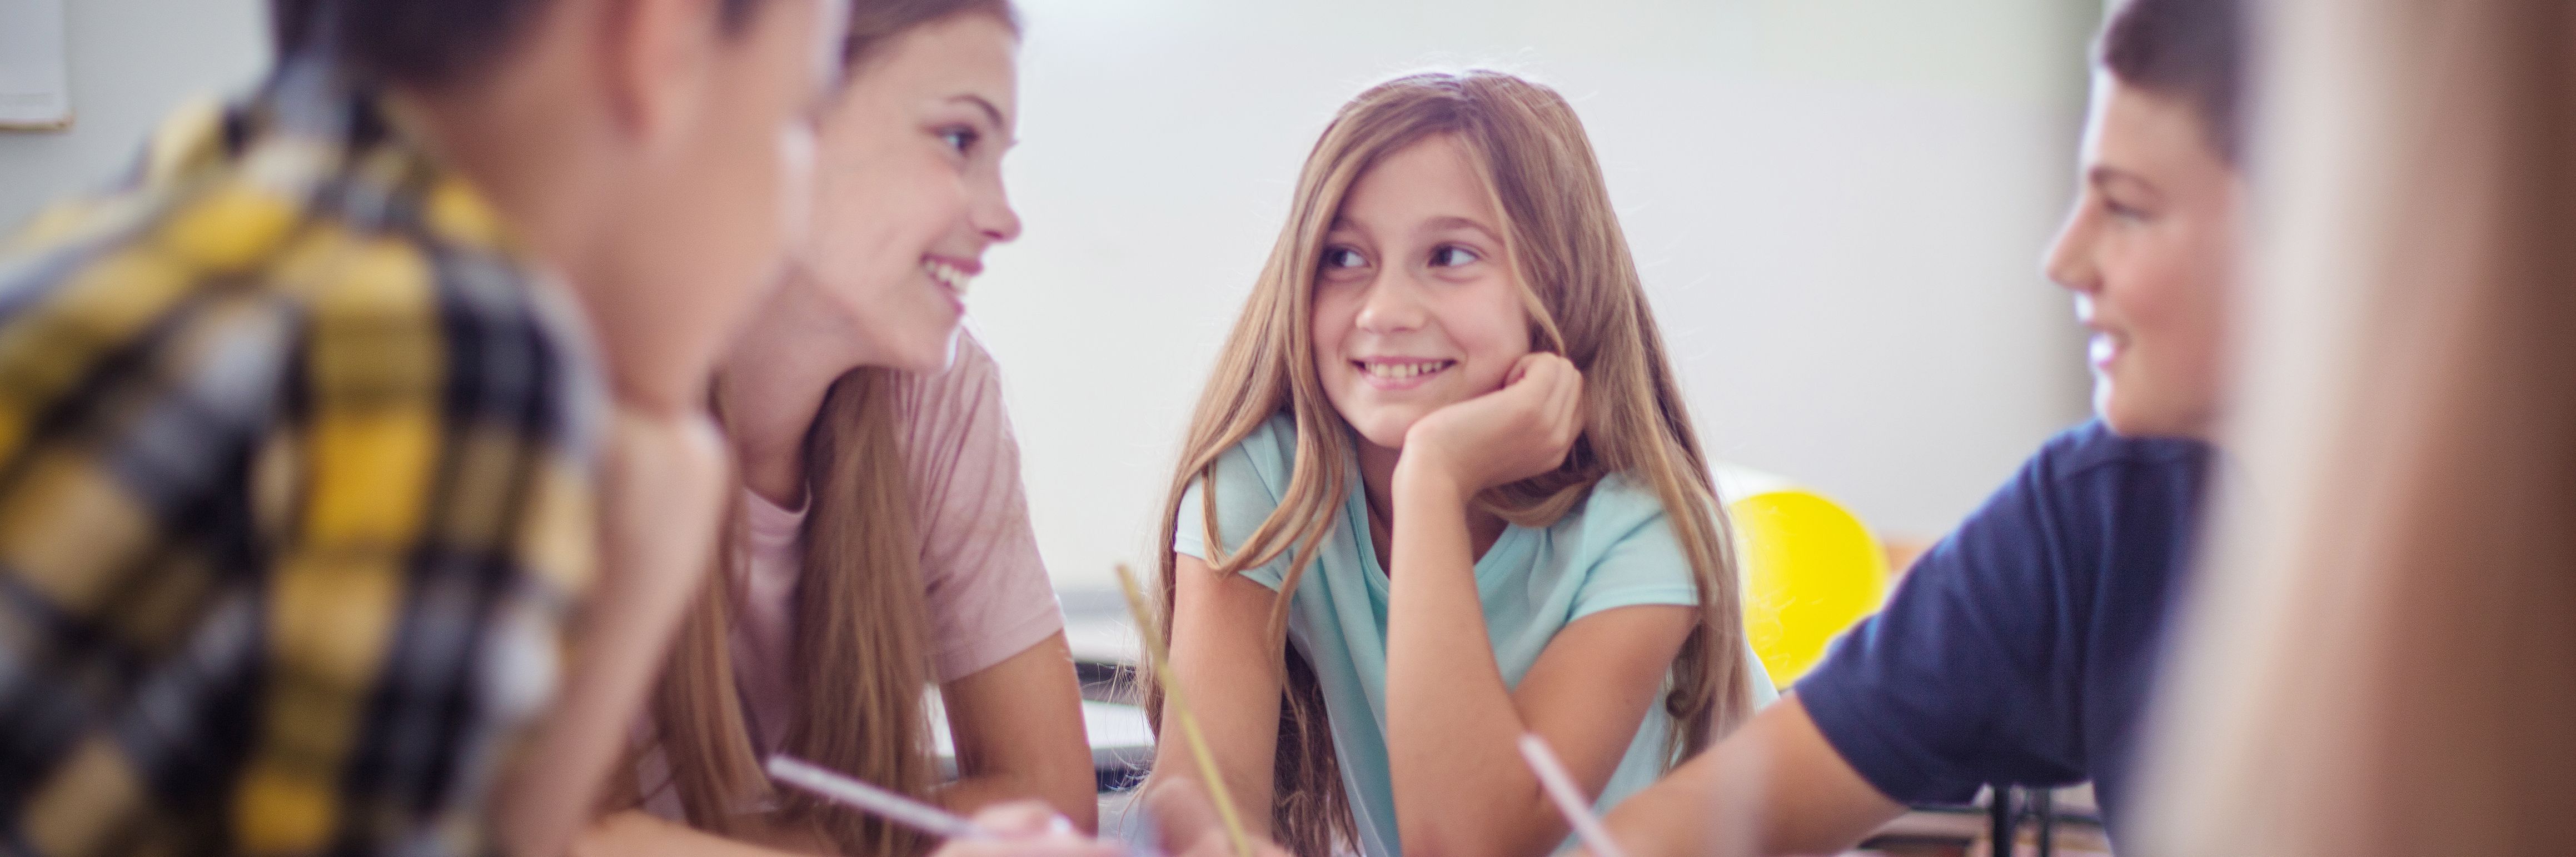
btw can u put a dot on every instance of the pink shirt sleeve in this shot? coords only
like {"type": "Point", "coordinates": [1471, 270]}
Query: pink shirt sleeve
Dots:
{"type": "Point", "coordinates": [989, 594]}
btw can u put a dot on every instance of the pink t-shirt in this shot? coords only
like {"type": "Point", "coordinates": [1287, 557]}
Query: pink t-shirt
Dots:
{"type": "Point", "coordinates": [988, 592]}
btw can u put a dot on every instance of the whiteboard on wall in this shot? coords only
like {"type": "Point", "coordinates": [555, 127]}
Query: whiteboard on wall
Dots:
{"type": "Point", "coordinates": [35, 74]}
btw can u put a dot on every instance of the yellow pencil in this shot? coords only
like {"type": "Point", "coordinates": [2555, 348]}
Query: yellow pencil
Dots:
{"type": "Point", "coordinates": [1160, 662]}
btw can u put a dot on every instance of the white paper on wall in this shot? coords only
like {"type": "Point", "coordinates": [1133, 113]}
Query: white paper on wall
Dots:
{"type": "Point", "coordinates": [35, 74]}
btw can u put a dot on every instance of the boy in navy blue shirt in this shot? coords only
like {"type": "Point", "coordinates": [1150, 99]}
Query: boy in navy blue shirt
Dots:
{"type": "Point", "coordinates": [2023, 647]}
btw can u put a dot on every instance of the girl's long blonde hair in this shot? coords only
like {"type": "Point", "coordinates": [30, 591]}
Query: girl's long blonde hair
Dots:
{"type": "Point", "coordinates": [861, 647]}
{"type": "Point", "coordinates": [862, 642]}
{"type": "Point", "coordinates": [1584, 301]}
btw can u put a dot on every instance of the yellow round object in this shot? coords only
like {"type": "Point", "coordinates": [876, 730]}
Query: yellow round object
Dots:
{"type": "Point", "coordinates": [1811, 571]}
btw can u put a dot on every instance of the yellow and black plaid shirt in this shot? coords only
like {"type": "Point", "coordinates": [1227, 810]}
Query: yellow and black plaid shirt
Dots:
{"type": "Point", "coordinates": [296, 495]}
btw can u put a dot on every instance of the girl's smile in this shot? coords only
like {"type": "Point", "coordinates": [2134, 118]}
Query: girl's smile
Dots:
{"type": "Point", "coordinates": [1400, 373]}
{"type": "Point", "coordinates": [951, 275]}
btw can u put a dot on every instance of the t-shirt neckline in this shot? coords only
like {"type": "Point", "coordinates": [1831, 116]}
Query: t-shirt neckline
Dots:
{"type": "Point", "coordinates": [1506, 549]}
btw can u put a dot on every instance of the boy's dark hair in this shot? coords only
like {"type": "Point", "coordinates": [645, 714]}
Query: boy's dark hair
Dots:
{"type": "Point", "coordinates": [418, 42]}
{"type": "Point", "coordinates": [2188, 49]}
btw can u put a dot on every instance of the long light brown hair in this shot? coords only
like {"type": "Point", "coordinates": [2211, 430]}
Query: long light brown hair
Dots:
{"type": "Point", "coordinates": [1584, 300]}
{"type": "Point", "coordinates": [862, 647]}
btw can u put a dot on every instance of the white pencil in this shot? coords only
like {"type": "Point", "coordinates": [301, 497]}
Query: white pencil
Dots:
{"type": "Point", "coordinates": [1560, 789]}
{"type": "Point", "coordinates": [893, 807]}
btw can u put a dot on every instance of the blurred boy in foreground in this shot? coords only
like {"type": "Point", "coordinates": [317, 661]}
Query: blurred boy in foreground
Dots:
{"type": "Point", "coordinates": [310, 435]}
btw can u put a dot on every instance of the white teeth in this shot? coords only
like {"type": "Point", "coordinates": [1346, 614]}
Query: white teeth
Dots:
{"type": "Point", "coordinates": [947, 275]}
{"type": "Point", "coordinates": [1401, 371]}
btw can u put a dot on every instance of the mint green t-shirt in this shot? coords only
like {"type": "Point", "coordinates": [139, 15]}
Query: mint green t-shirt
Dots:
{"type": "Point", "coordinates": [1615, 550]}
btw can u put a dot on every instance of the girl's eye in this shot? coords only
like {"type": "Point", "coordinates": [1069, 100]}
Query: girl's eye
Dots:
{"type": "Point", "coordinates": [2124, 212]}
{"type": "Point", "coordinates": [959, 139]}
{"type": "Point", "coordinates": [1343, 257]}
{"type": "Point", "coordinates": [1450, 256]}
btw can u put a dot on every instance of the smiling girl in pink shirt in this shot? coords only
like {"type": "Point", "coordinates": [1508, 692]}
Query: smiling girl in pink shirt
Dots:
{"type": "Point", "coordinates": [879, 543]}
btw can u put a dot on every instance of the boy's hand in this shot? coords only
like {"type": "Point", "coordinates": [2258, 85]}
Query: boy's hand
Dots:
{"type": "Point", "coordinates": [663, 483]}
{"type": "Point", "coordinates": [1522, 430]}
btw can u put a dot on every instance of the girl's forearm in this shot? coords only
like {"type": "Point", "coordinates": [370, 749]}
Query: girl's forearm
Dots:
{"type": "Point", "coordinates": [1221, 654]}
{"type": "Point", "coordinates": [1017, 726]}
{"type": "Point", "coordinates": [1452, 725]}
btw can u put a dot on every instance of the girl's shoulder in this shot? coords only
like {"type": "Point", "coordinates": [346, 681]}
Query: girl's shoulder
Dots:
{"type": "Point", "coordinates": [1268, 453]}
{"type": "Point", "coordinates": [1618, 548]}
{"type": "Point", "coordinates": [1248, 480]}
{"type": "Point", "coordinates": [1252, 475]}
{"type": "Point", "coordinates": [1617, 506]}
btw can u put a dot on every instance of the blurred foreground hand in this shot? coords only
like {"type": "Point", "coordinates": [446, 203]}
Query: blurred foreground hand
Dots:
{"type": "Point", "coordinates": [1190, 826]}
{"type": "Point", "coordinates": [1028, 828]}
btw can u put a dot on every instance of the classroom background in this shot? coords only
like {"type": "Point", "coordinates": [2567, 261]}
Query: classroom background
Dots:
{"type": "Point", "coordinates": [1838, 206]}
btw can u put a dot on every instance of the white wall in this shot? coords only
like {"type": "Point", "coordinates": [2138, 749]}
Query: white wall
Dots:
{"type": "Point", "coordinates": [1839, 206]}
{"type": "Point", "coordinates": [131, 61]}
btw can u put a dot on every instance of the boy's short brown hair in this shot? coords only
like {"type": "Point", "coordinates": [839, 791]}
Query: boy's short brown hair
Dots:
{"type": "Point", "coordinates": [2188, 49]}
{"type": "Point", "coordinates": [418, 42]}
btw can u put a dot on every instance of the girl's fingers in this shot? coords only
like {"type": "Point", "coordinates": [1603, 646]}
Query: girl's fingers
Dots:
{"type": "Point", "coordinates": [1522, 367]}
{"type": "Point", "coordinates": [1564, 388]}
{"type": "Point", "coordinates": [1027, 828]}
{"type": "Point", "coordinates": [1553, 390]}
{"type": "Point", "coordinates": [1543, 373]}
{"type": "Point", "coordinates": [1051, 846]}
{"type": "Point", "coordinates": [1570, 397]}
{"type": "Point", "coordinates": [1022, 818]}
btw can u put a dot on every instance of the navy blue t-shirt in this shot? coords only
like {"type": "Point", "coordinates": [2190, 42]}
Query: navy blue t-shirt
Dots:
{"type": "Point", "coordinates": [2021, 649]}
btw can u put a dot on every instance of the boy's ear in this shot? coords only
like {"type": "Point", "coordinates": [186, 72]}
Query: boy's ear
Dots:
{"type": "Point", "coordinates": [658, 58]}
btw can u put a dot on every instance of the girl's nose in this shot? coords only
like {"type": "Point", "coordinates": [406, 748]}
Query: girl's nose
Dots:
{"type": "Point", "coordinates": [1392, 306]}
{"type": "Point", "coordinates": [994, 216]}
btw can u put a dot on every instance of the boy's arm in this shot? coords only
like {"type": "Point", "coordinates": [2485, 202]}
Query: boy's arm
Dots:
{"type": "Point", "coordinates": [1774, 787]}
{"type": "Point", "coordinates": [666, 477]}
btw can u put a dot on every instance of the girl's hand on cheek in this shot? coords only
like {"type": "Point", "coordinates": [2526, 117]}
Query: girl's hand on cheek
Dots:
{"type": "Point", "coordinates": [1522, 430]}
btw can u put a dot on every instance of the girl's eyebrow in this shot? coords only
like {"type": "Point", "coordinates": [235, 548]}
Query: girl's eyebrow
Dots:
{"type": "Point", "coordinates": [990, 112]}
{"type": "Point", "coordinates": [1453, 222]}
